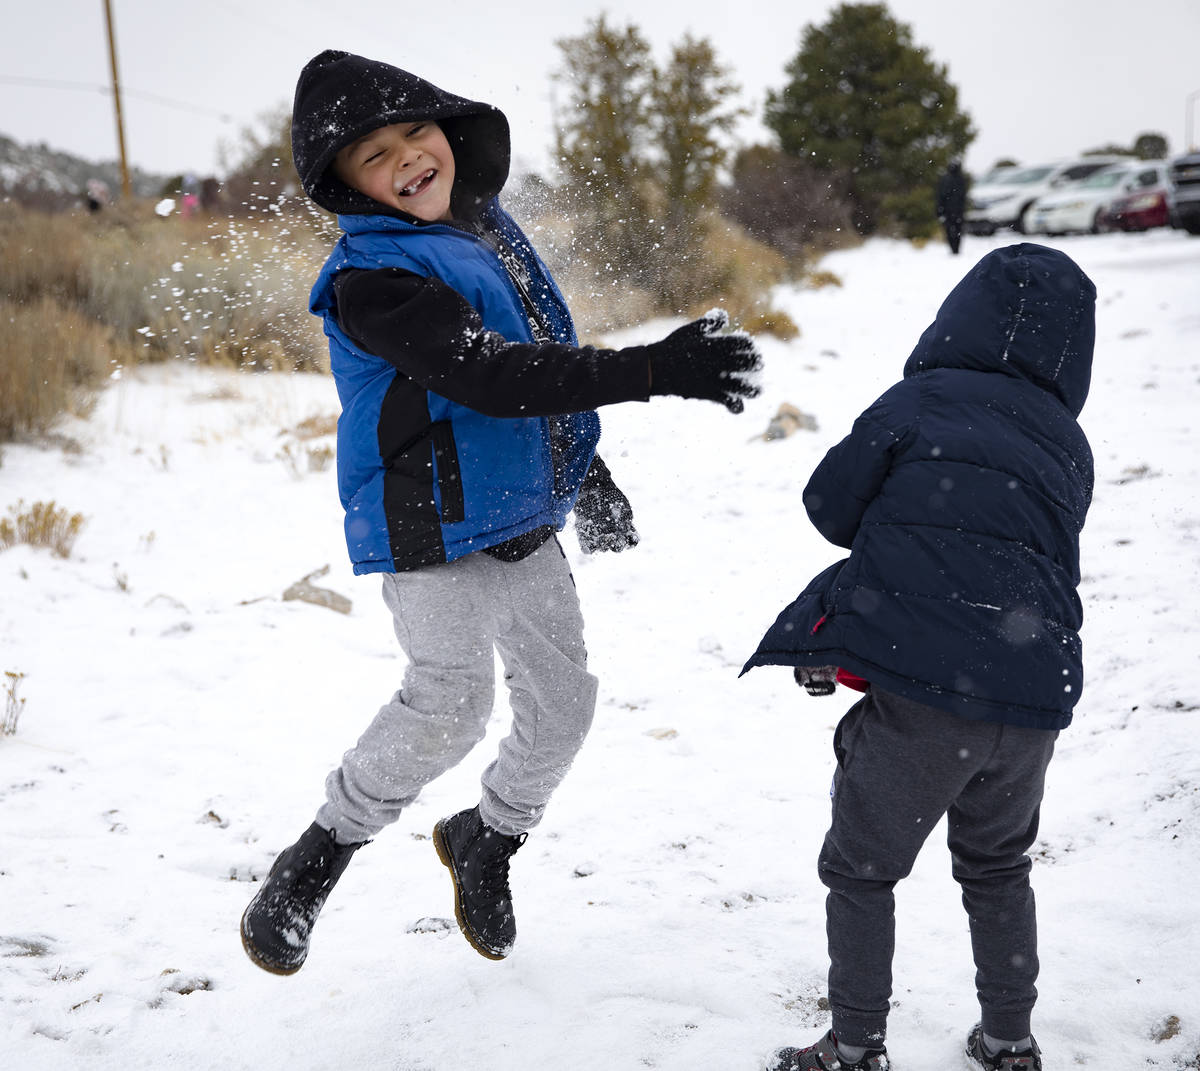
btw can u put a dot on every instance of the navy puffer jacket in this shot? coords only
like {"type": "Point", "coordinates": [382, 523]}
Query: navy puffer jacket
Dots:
{"type": "Point", "coordinates": [961, 493]}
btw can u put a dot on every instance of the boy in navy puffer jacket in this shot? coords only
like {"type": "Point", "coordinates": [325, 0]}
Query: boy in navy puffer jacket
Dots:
{"type": "Point", "coordinates": [467, 435]}
{"type": "Point", "coordinates": [961, 493]}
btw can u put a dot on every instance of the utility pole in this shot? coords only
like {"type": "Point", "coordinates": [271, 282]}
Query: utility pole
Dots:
{"type": "Point", "coordinates": [126, 188]}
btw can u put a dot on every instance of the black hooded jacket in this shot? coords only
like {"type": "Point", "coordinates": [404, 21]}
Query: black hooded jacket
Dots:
{"type": "Point", "coordinates": [961, 493]}
{"type": "Point", "coordinates": [341, 97]}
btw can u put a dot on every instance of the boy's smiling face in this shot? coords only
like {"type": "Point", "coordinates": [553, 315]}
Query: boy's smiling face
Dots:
{"type": "Point", "coordinates": [408, 166]}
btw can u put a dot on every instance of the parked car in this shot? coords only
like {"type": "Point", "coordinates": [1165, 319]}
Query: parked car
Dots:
{"type": "Point", "coordinates": [996, 172]}
{"type": "Point", "coordinates": [1144, 208]}
{"type": "Point", "coordinates": [1079, 208]}
{"type": "Point", "coordinates": [1005, 202]}
{"type": "Point", "coordinates": [1184, 174]}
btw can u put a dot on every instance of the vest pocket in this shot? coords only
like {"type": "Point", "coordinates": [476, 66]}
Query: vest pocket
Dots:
{"type": "Point", "coordinates": [449, 475]}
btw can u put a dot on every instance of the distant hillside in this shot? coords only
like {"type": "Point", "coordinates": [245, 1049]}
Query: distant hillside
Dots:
{"type": "Point", "coordinates": [42, 177]}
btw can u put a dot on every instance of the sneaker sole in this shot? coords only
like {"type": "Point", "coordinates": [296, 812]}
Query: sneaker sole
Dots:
{"type": "Point", "coordinates": [257, 958]}
{"type": "Point", "coordinates": [443, 852]}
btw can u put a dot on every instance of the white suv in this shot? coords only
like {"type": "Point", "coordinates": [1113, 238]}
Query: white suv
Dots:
{"type": "Point", "coordinates": [1005, 201]}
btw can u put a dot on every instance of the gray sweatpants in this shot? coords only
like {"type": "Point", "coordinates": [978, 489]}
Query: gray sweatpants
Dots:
{"type": "Point", "coordinates": [901, 766]}
{"type": "Point", "coordinates": [449, 620]}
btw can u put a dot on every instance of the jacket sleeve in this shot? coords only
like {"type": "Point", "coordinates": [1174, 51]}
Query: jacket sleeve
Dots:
{"type": "Point", "coordinates": [852, 473]}
{"type": "Point", "coordinates": [433, 335]}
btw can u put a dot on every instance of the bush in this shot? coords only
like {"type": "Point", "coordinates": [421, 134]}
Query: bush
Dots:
{"type": "Point", "coordinates": [42, 525]}
{"type": "Point", "coordinates": [54, 357]}
{"type": "Point", "coordinates": [41, 255]}
{"type": "Point", "coordinates": [12, 705]}
{"type": "Point", "coordinates": [735, 271]}
{"type": "Point", "coordinates": [786, 203]}
{"type": "Point", "coordinates": [725, 267]}
{"type": "Point", "coordinates": [910, 214]}
{"type": "Point", "coordinates": [86, 293]}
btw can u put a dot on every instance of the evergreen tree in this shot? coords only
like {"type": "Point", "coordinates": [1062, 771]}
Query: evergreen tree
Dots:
{"type": "Point", "coordinates": [691, 110]}
{"type": "Point", "coordinates": [602, 140]}
{"type": "Point", "coordinates": [863, 99]}
{"type": "Point", "coordinates": [692, 107]}
{"type": "Point", "coordinates": [1151, 146]}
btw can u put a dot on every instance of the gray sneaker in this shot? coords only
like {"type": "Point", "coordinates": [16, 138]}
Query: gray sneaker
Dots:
{"type": "Point", "coordinates": [1029, 1059]}
{"type": "Point", "coordinates": [823, 1056]}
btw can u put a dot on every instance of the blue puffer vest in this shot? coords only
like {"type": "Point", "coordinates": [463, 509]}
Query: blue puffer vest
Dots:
{"type": "Point", "coordinates": [462, 481]}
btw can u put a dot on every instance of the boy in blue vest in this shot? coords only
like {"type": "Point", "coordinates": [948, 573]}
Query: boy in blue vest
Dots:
{"type": "Point", "coordinates": [467, 435]}
{"type": "Point", "coordinates": [960, 494]}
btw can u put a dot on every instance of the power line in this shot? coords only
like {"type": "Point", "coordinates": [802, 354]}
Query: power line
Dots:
{"type": "Point", "coordinates": [58, 83]}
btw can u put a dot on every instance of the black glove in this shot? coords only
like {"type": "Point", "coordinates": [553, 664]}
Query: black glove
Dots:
{"type": "Point", "coordinates": [603, 516]}
{"type": "Point", "coordinates": [817, 680]}
{"type": "Point", "coordinates": [697, 362]}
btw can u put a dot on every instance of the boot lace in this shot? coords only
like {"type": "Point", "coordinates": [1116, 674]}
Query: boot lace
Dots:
{"type": "Point", "coordinates": [496, 850]}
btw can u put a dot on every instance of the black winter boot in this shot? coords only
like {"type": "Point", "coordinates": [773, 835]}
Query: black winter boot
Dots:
{"type": "Point", "coordinates": [477, 857]}
{"type": "Point", "coordinates": [277, 925]}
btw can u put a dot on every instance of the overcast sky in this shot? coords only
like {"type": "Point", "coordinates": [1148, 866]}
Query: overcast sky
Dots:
{"type": "Point", "coordinates": [1040, 78]}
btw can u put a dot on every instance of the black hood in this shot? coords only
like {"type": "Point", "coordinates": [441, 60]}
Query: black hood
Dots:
{"type": "Point", "coordinates": [340, 97]}
{"type": "Point", "coordinates": [1025, 310]}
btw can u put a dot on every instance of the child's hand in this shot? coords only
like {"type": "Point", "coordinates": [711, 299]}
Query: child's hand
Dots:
{"type": "Point", "coordinates": [603, 518]}
{"type": "Point", "coordinates": [697, 362]}
{"type": "Point", "coordinates": [817, 680]}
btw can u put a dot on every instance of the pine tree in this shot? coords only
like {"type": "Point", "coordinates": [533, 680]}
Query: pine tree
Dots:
{"type": "Point", "coordinates": [602, 137]}
{"type": "Point", "coordinates": [1150, 146]}
{"type": "Point", "coordinates": [640, 149]}
{"type": "Point", "coordinates": [864, 100]}
{"type": "Point", "coordinates": [693, 108]}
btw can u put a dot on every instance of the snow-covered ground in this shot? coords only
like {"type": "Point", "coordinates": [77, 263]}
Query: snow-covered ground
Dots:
{"type": "Point", "coordinates": [180, 717]}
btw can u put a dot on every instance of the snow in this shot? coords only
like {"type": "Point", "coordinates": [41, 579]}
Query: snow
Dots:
{"type": "Point", "coordinates": [180, 718]}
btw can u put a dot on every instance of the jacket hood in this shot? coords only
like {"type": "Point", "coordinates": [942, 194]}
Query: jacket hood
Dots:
{"type": "Point", "coordinates": [341, 96]}
{"type": "Point", "coordinates": [1025, 310]}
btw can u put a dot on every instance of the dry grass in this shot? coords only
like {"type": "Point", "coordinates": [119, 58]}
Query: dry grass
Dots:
{"type": "Point", "coordinates": [818, 279]}
{"type": "Point", "coordinates": [84, 294]}
{"type": "Point", "coordinates": [739, 274]}
{"type": "Point", "coordinates": [727, 268]}
{"type": "Point", "coordinates": [12, 705]}
{"type": "Point", "coordinates": [51, 357]}
{"type": "Point", "coordinates": [41, 525]}
{"type": "Point", "coordinates": [316, 426]}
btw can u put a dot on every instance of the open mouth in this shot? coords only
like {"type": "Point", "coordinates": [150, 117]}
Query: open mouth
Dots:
{"type": "Point", "coordinates": [418, 185]}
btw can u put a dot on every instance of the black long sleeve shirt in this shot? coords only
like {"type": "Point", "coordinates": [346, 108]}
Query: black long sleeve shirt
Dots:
{"type": "Point", "coordinates": [433, 335]}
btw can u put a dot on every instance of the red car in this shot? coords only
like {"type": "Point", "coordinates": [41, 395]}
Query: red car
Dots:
{"type": "Point", "coordinates": [1140, 210]}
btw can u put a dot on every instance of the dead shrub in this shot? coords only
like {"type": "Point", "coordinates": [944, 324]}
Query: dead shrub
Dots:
{"type": "Point", "coordinates": [41, 255]}
{"type": "Point", "coordinates": [315, 427]}
{"type": "Point", "coordinates": [818, 279]}
{"type": "Point", "coordinates": [54, 357]}
{"type": "Point", "coordinates": [724, 267]}
{"type": "Point", "coordinates": [84, 293]}
{"type": "Point", "coordinates": [787, 203]}
{"type": "Point", "coordinates": [737, 272]}
{"type": "Point", "coordinates": [41, 525]}
{"type": "Point", "coordinates": [12, 704]}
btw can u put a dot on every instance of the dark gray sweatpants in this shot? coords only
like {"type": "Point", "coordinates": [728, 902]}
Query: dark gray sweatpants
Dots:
{"type": "Point", "coordinates": [901, 766]}
{"type": "Point", "coordinates": [450, 620]}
